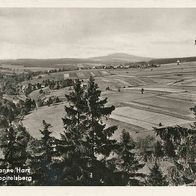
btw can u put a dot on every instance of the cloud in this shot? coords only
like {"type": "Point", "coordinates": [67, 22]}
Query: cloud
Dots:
{"type": "Point", "coordinates": [72, 32]}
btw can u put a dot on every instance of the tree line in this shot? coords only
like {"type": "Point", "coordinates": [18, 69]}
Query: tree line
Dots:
{"type": "Point", "coordinates": [52, 84]}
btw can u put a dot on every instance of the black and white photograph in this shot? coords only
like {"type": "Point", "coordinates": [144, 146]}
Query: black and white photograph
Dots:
{"type": "Point", "coordinates": [97, 96]}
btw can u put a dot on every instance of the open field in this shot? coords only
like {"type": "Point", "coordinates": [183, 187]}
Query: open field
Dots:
{"type": "Point", "coordinates": [162, 102]}
{"type": "Point", "coordinates": [169, 93]}
{"type": "Point", "coordinates": [52, 115]}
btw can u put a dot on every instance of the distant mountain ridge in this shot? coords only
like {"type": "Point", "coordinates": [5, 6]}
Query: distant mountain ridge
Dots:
{"type": "Point", "coordinates": [115, 58]}
{"type": "Point", "coordinates": [120, 57]}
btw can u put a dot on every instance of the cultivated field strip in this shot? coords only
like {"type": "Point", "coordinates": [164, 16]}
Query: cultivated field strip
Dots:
{"type": "Point", "coordinates": [169, 104]}
{"type": "Point", "coordinates": [145, 119]}
{"type": "Point", "coordinates": [157, 109]}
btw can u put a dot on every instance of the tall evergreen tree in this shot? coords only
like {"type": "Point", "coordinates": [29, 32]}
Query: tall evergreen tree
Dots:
{"type": "Point", "coordinates": [76, 108]}
{"type": "Point", "coordinates": [86, 133]}
{"type": "Point", "coordinates": [156, 177]}
{"type": "Point", "coordinates": [127, 161]}
{"type": "Point", "coordinates": [179, 147]}
{"type": "Point", "coordinates": [97, 111]}
{"type": "Point", "coordinates": [171, 137]}
{"type": "Point", "coordinates": [99, 140]}
{"type": "Point", "coordinates": [71, 145]}
{"type": "Point", "coordinates": [42, 159]}
{"type": "Point", "coordinates": [13, 145]}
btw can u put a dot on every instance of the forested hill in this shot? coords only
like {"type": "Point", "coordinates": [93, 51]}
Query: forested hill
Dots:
{"type": "Point", "coordinates": [172, 60]}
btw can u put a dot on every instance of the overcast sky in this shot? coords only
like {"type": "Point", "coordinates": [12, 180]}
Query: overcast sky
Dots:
{"type": "Point", "coordinates": [66, 32]}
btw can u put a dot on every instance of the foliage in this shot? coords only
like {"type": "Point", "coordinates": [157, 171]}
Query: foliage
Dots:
{"type": "Point", "coordinates": [146, 147]}
{"type": "Point", "coordinates": [13, 145]}
{"type": "Point", "coordinates": [42, 159]}
{"type": "Point", "coordinates": [86, 133]}
{"type": "Point", "coordinates": [127, 161]}
{"type": "Point", "coordinates": [179, 146]}
{"type": "Point", "coordinates": [156, 177]}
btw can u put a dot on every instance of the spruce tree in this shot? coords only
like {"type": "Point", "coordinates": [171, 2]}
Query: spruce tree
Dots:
{"type": "Point", "coordinates": [13, 145]}
{"type": "Point", "coordinates": [98, 135]}
{"type": "Point", "coordinates": [171, 138]}
{"type": "Point", "coordinates": [127, 161]}
{"type": "Point", "coordinates": [87, 136]}
{"type": "Point", "coordinates": [156, 177]}
{"type": "Point", "coordinates": [179, 147]}
{"type": "Point", "coordinates": [71, 145]}
{"type": "Point", "coordinates": [42, 159]}
{"type": "Point", "coordinates": [76, 107]}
